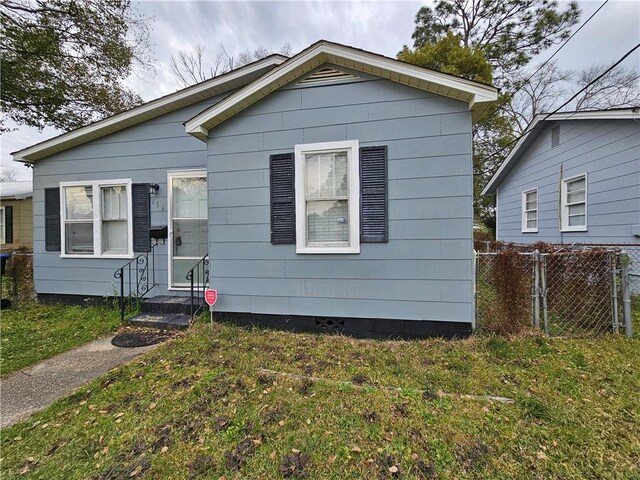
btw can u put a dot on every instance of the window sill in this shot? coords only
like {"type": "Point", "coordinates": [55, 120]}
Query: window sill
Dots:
{"type": "Point", "coordinates": [530, 231]}
{"type": "Point", "coordinates": [106, 257]}
{"type": "Point", "coordinates": [569, 230]}
{"type": "Point", "coordinates": [328, 250]}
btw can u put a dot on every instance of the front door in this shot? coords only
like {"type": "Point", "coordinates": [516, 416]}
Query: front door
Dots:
{"type": "Point", "coordinates": [188, 239]}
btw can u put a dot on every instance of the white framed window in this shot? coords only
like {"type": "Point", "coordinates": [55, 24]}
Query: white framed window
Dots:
{"type": "Point", "coordinates": [3, 226]}
{"type": "Point", "coordinates": [530, 211]}
{"type": "Point", "coordinates": [327, 181]}
{"type": "Point", "coordinates": [96, 219]}
{"type": "Point", "coordinates": [574, 204]}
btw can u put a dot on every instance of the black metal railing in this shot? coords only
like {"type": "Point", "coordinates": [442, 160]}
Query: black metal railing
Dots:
{"type": "Point", "coordinates": [137, 277]}
{"type": "Point", "coordinates": [198, 278]}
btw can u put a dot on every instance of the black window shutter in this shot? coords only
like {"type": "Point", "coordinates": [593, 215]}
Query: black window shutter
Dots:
{"type": "Point", "coordinates": [8, 224]}
{"type": "Point", "coordinates": [52, 219]}
{"type": "Point", "coordinates": [373, 195]}
{"type": "Point", "coordinates": [141, 206]}
{"type": "Point", "coordinates": [283, 199]}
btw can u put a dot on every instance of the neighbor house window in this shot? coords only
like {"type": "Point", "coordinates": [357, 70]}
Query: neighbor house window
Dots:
{"type": "Point", "coordinates": [530, 211]}
{"type": "Point", "coordinates": [327, 197]}
{"type": "Point", "coordinates": [96, 218]}
{"type": "Point", "coordinates": [574, 203]}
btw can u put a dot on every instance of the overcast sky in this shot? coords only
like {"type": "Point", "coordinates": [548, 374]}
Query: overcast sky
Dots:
{"type": "Point", "coordinates": [380, 26]}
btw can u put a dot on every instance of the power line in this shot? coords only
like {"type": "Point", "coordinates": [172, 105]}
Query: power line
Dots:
{"type": "Point", "coordinates": [561, 47]}
{"type": "Point", "coordinates": [595, 80]}
{"type": "Point", "coordinates": [554, 54]}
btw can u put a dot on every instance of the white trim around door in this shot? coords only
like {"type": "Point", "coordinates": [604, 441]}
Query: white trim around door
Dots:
{"type": "Point", "coordinates": [171, 176]}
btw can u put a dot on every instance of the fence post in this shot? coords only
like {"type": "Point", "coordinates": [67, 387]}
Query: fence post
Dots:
{"type": "Point", "coordinates": [626, 293]}
{"type": "Point", "coordinates": [536, 289]}
{"type": "Point", "coordinates": [474, 273]}
{"type": "Point", "coordinates": [614, 290]}
{"type": "Point", "coordinates": [543, 291]}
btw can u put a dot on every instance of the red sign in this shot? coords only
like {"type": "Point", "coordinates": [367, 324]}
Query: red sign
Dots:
{"type": "Point", "coordinates": [210, 296]}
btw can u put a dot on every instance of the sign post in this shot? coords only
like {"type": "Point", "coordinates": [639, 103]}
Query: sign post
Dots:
{"type": "Point", "coordinates": [210, 296]}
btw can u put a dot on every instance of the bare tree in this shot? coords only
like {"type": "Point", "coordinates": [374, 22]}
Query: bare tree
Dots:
{"type": "Point", "coordinates": [537, 94]}
{"type": "Point", "coordinates": [189, 67]}
{"type": "Point", "coordinates": [8, 175]}
{"type": "Point", "coordinates": [550, 86]}
{"type": "Point", "coordinates": [620, 88]}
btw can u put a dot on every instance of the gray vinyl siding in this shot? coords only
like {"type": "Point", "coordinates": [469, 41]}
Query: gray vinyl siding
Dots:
{"type": "Point", "coordinates": [424, 271]}
{"type": "Point", "coordinates": [608, 151]}
{"type": "Point", "coordinates": [144, 153]}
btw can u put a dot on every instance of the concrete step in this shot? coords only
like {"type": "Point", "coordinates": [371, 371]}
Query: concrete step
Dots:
{"type": "Point", "coordinates": [161, 321]}
{"type": "Point", "coordinates": [168, 304]}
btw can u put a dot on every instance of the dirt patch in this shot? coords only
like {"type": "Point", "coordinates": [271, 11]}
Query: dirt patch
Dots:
{"type": "Point", "coordinates": [359, 379]}
{"type": "Point", "coordinates": [56, 445]}
{"type": "Point", "coordinates": [162, 435]}
{"type": "Point", "coordinates": [190, 428]}
{"type": "Point", "coordinates": [221, 423]}
{"type": "Point", "coordinates": [301, 357]}
{"type": "Point", "coordinates": [388, 467]}
{"type": "Point", "coordinates": [200, 465]}
{"type": "Point", "coordinates": [429, 395]}
{"type": "Point", "coordinates": [264, 379]}
{"type": "Point", "coordinates": [271, 416]}
{"type": "Point", "coordinates": [139, 446]}
{"type": "Point", "coordinates": [370, 416]}
{"type": "Point", "coordinates": [305, 386]}
{"type": "Point", "coordinates": [472, 456]}
{"type": "Point", "coordinates": [185, 382]}
{"type": "Point", "coordinates": [294, 465]}
{"type": "Point", "coordinates": [400, 409]}
{"type": "Point", "coordinates": [236, 458]}
{"type": "Point", "coordinates": [133, 339]}
{"type": "Point", "coordinates": [425, 470]}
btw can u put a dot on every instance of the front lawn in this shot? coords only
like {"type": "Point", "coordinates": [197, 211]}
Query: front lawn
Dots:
{"type": "Point", "coordinates": [201, 407]}
{"type": "Point", "coordinates": [33, 333]}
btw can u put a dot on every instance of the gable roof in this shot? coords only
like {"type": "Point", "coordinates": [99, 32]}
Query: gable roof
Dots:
{"type": "Point", "coordinates": [537, 125]}
{"type": "Point", "coordinates": [477, 95]}
{"type": "Point", "coordinates": [16, 190]}
{"type": "Point", "coordinates": [187, 96]}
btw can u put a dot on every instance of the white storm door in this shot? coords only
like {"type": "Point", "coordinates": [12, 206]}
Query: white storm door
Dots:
{"type": "Point", "coordinates": [188, 226]}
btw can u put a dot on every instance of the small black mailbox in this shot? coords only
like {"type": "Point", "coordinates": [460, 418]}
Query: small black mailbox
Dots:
{"type": "Point", "coordinates": [158, 231]}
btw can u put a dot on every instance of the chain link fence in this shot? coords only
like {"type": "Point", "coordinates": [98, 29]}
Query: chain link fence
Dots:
{"type": "Point", "coordinates": [577, 291]}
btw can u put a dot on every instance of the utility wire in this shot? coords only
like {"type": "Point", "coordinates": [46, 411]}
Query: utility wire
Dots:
{"type": "Point", "coordinates": [595, 80]}
{"type": "Point", "coordinates": [551, 57]}
{"type": "Point", "coordinates": [561, 46]}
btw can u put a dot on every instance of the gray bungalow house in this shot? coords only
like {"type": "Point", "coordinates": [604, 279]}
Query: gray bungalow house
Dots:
{"type": "Point", "coordinates": [328, 190]}
{"type": "Point", "coordinates": [574, 178]}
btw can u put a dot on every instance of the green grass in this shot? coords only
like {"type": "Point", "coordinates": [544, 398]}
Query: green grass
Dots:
{"type": "Point", "coordinates": [35, 332]}
{"type": "Point", "coordinates": [198, 407]}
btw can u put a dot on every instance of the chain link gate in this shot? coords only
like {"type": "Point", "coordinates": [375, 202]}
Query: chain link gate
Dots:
{"type": "Point", "coordinates": [566, 293]}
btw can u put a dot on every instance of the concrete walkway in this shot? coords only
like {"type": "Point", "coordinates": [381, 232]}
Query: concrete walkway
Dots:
{"type": "Point", "coordinates": [34, 388]}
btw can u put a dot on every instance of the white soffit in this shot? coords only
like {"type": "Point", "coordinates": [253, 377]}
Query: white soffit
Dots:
{"type": "Point", "coordinates": [477, 95]}
{"type": "Point", "coordinates": [234, 79]}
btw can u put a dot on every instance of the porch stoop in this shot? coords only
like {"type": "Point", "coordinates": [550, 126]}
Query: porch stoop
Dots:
{"type": "Point", "coordinates": [168, 304]}
{"type": "Point", "coordinates": [161, 321]}
{"type": "Point", "coordinates": [164, 312]}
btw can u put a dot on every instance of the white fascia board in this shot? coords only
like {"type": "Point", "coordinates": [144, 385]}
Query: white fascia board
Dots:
{"type": "Point", "coordinates": [623, 114]}
{"type": "Point", "coordinates": [322, 53]}
{"type": "Point", "coordinates": [489, 187]}
{"type": "Point", "coordinates": [144, 111]}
